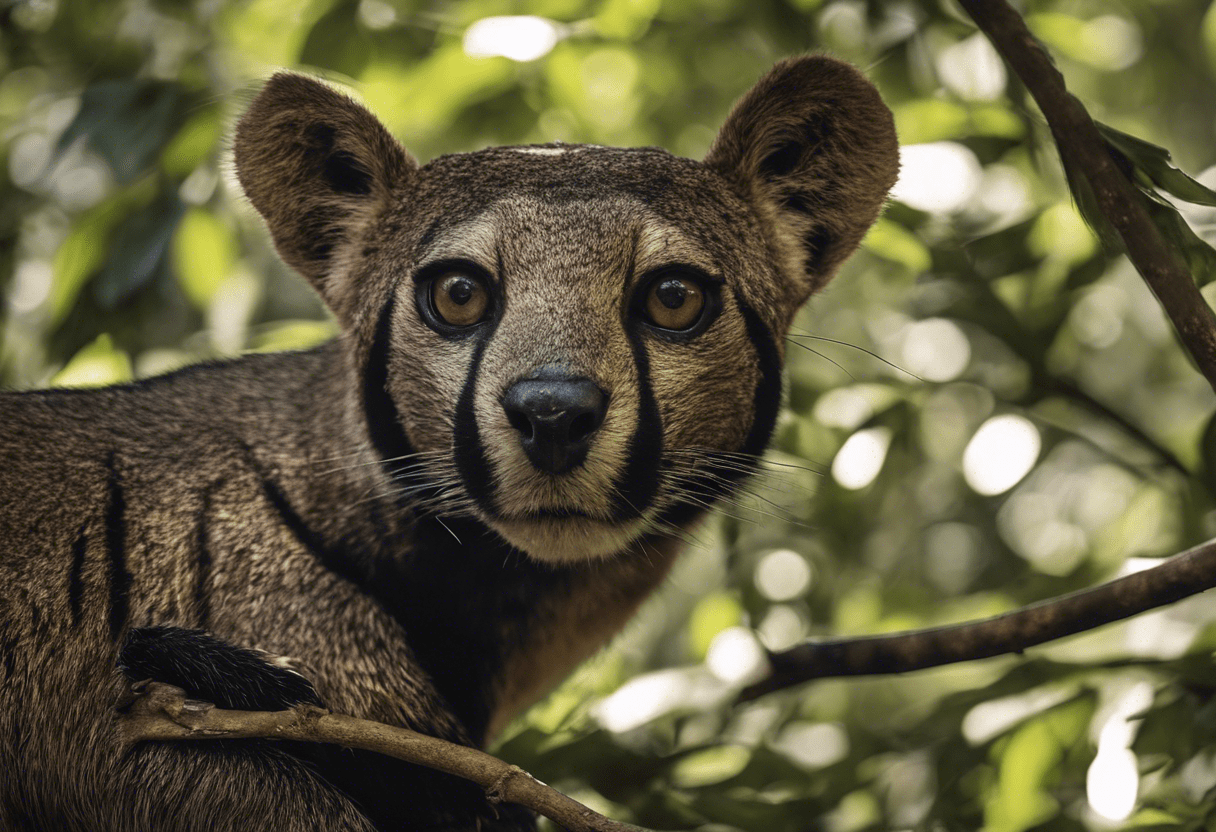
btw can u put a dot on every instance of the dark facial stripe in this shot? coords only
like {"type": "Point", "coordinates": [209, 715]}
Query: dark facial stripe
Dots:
{"type": "Point", "coordinates": [723, 471]}
{"type": "Point", "coordinates": [116, 541]}
{"type": "Point", "coordinates": [380, 411]}
{"type": "Point", "coordinates": [75, 583]}
{"type": "Point", "coordinates": [639, 482]}
{"type": "Point", "coordinates": [768, 390]}
{"type": "Point", "coordinates": [202, 578]}
{"type": "Point", "coordinates": [471, 462]}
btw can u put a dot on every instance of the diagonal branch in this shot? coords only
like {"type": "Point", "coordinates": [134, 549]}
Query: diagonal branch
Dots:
{"type": "Point", "coordinates": [158, 711]}
{"type": "Point", "coordinates": [1183, 575]}
{"type": "Point", "coordinates": [1084, 151]}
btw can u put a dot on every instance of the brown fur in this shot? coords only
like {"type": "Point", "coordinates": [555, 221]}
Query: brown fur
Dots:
{"type": "Point", "coordinates": [252, 499]}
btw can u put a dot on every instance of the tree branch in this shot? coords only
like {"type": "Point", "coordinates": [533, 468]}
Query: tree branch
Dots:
{"type": "Point", "coordinates": [1084, 150]}
{"type": "Point", "coordinates": [157, 711]}
{"type": "Point", "coordinates": [1179, 577]}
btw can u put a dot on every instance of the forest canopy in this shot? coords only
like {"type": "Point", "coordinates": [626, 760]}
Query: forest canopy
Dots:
{"type": "Point", "coordinates": [986, 408]}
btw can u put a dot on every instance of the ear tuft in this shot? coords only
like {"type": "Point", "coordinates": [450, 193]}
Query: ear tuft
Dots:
{"type": "Point", "coordinates": [319, 168]}
{"type": "Point", "coordinates": [813, 147]}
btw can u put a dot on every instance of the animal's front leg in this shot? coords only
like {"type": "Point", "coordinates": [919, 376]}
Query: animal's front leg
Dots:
{"type": "Point", "coordinates": [393, 796]}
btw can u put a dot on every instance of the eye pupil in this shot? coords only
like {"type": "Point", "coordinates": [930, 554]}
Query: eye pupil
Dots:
{"type": "Point", "coordinates": [460, 291]}
{"type": "Point", "coordinates": [671, 293]}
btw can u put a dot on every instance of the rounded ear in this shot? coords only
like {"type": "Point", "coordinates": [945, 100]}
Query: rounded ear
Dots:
{"type": "Point", "coordinates": [813, 146]}
{"type": "Point", "coordinates": [319, 168]}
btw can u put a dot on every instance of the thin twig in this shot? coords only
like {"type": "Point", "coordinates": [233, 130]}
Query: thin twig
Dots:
{"type": "Point", "coordinates": [1084, 150]}
{"type": "Point", "coordinates": [1179, 577]}
{"type": "Point", "coordinates": [158, 711]}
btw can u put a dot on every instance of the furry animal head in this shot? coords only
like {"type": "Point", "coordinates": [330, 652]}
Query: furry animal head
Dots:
{"type": "Point", "coordinates": [578, 345]}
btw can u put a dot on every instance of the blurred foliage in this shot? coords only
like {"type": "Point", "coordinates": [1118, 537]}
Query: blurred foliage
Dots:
{"type": "Point", "coordinates": [125, 251]}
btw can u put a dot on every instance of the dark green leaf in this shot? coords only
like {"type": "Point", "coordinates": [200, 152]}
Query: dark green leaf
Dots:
{"type": "Point", "coordinates": [137, 251]}
{"type": "Point", "coordinates": [337, 42]}
{"type": "Point", "coordinates": [1207, 453]}
{"type": "Point", "coordinates": [127, 122]}
{"type": "Point", "coordinates": [1155, 162]}
{"type": "Point", "coordinates": [1200, 257]}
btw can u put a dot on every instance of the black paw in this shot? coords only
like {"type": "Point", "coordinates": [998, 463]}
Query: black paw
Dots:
{"type": "Point", "coordinates": [212, 670]}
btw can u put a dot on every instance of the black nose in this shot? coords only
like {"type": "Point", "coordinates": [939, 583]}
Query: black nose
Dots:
{"type": "Point", "coordinates": [556, 415]}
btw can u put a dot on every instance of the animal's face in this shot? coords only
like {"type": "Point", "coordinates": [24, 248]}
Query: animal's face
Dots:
{"type": "Point", "coordinates": [600, 342]}
{"type": "Point", "coordinates": [578, 345]}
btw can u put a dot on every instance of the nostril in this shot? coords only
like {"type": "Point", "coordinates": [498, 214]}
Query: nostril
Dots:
{"type": "Point", "coordinates": [521, 423]}
{"type": "Point", "coordinates": [581, 426]}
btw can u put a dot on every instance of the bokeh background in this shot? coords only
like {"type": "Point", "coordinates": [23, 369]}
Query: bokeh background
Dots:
{"type": "Point", "coordinates": [985, 409]}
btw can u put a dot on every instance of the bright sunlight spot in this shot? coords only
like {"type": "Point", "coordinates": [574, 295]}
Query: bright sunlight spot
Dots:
{"type": "Point", "coordinates": [844, 407]}
{"type": "Point", "coordinates": [519, 37]}
{"type": "Point", "coordinates": [1113, 779]}
{"type": "Point", "coordinates": [1002, 451]}
{"type": "Point", "coordinates": [813, 744]}
{"type": "Point", "coordinates": [860, 458]}
{"type": "Point", "coordinates": [782, 575]}
{"type": "Point", "coordinates": [781, 628]}
{"type": "Point", "coordinates": [940, 177]}
{"type": "Point", "coordinates": [1112, 782]}
{"type": "Point", "coordinates": [1112, 42]}
{"type": "Point", "coordinates": [641, 699]}
{"type": "Point", "coordinates": [736, 657]}
{"type": "Point", "coordinates": [31, 286]}
{"type": "Point", "coordinates": [972, 69]}
{"type": "Point", "coordinates": [936, 349]}
{"type": "Point", "coordinates": [1005, 192]}
{"type": "Point", "coordinates": [996, 716]}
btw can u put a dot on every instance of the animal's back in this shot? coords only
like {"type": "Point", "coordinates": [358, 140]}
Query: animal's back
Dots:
{"type": "Point", "coordinates": [102, 510]}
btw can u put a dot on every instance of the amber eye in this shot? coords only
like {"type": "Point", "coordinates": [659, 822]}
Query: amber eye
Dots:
{"type": "Point", "coordinates": [674, 303]}
{"type": "Point", "coordinates": [459, 300]}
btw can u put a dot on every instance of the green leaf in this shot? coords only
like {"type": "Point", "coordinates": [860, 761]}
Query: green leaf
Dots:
{"type": "Point", "coordinates": [127, 123]}
{"type": "Point", "coordinates": [750, 812]}
{"type": "Point", "coordinates": [1155, 162]}
{"type": "Point", "coordinates": [293, 335]}
{"type": "Point", "coordinates": [137, 251]}
{"type": "Point", "coordinates": [338, 43]}
{"type": "Point", "coordinates": [1087, 205]}
{"type": "Point", "coordinates": [712, 614]}
{"type": "Point", "coordinates": [710, 766]}
{"type": "Point", "coordinates": [203, 255]}
{"type": "Point", "coordinates": [193, 143]}
{"type": "Point", "coordinates": [1027, 763]}
{"type": "Point", "coordinates": [1148, 167]}
{"type": "Point", "coordinates": [1199, 257]}
{"type": "Point", "coordinates": [1207, 453]}
{"type": "Point", "coordinates": [930, 120]}
{"type": "Point", "coordinates": [893, 242]}
{"type": "Point", "coordinates": [95, 365]}
{"type": "Point", "coordinates": [84, 251]}
{"type": "Point", "coordinates": [625, 19]}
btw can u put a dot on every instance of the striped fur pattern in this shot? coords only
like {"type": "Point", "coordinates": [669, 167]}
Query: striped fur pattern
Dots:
{"type": "Point", "coordinates": [366, 509]}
